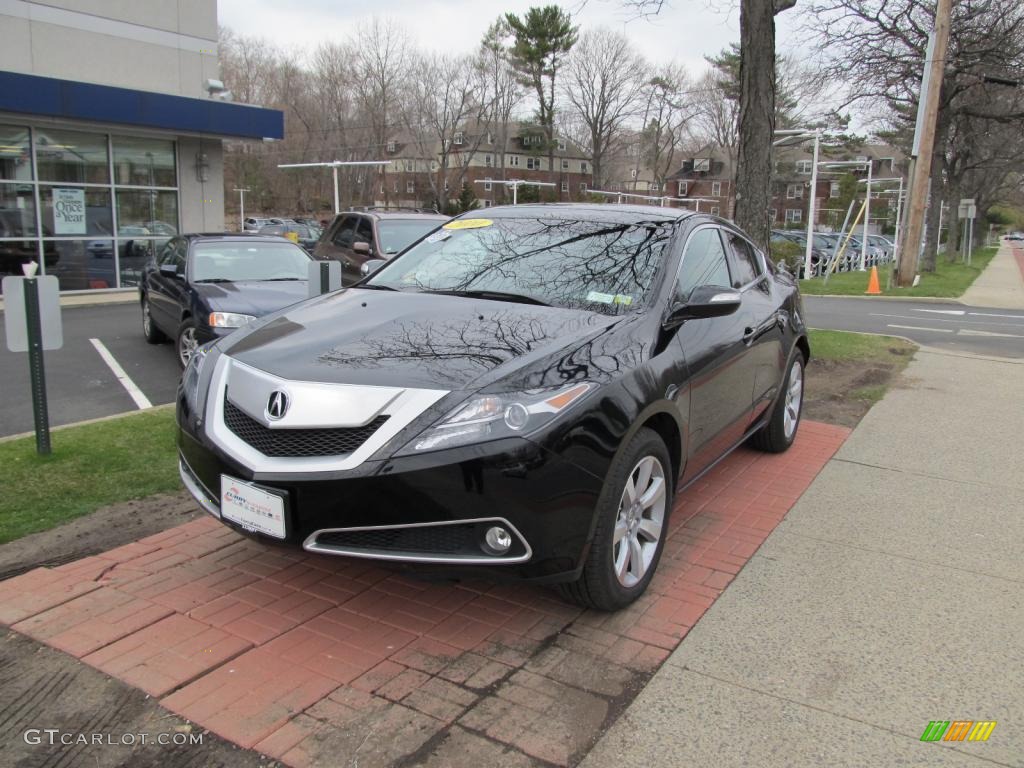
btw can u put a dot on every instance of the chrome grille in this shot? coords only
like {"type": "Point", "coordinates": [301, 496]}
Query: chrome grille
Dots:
{"type": "Point", "coordinates": [333, 441]}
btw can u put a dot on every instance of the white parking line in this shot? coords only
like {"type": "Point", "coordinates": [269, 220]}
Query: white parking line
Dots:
{"type": "Point", "coordinates": [134, 392]}
{"type": "Point", "coordinates": [919, 328]}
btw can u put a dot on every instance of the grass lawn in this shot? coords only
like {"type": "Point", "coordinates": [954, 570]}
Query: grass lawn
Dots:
{"type": "Point", "coordinates": [857, 366]}
{"type": "Point", "coordinates": [91, 466]}
{"type": "Point", "coordinates": [949, 281]}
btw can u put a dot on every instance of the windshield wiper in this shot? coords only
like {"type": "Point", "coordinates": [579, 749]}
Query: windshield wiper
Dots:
{"type": "Point", "coordinates": [278, 279]}
{"type": "Point", "coordinates": [376, 287]}
{"type": "Point", "coordinates": [214, 280]}
{"type": "Point", "coordinates": [519, 298]}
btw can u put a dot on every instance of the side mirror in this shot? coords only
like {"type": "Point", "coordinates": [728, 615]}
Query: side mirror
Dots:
{"type": "Point", "coordinates": [361, 247]}
{"type": "Point", "coordinates": [368, 267]}
{"type": "Point", "coordinates": [170, 270]}
{"type": "Point", "coordinates": [705, 301]}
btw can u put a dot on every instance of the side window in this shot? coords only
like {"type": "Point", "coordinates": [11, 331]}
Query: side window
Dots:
{"type": "Point", "coordinates": [703, 263]}
{"type": "Point", "coordinates": [166, 255]}
{"type": "Point", "coordinates": [745, 263]}
{"type": "Point", "coordinates": [364, 231]}
{"type": "Point", "coordinates": [345, 234]}
{"type": "Point", "coordinates": [180, 252]}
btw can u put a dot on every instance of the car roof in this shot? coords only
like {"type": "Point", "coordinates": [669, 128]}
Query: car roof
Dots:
{"type": "Point", "coordinates": [241, 236]}
{"type": "Point", "coordinates": [612, 212]}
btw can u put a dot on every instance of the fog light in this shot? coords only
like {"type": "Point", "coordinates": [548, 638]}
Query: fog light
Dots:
{"type": "Point", "coordinates": [498, 540]}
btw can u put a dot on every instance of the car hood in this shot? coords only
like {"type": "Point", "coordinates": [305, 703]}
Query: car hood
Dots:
{"type": "Point", "coordinates": [252, 297]}
{"type": "Point", "coordinates": [433, 341]}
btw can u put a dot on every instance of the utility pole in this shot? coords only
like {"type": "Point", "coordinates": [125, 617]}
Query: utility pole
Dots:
{"type": "Point", "coordinates": [924, 144]}
{"type": "Point", "coordinates": [241, 206]}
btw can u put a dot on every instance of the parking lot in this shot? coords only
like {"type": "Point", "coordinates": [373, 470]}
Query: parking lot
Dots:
{"type": "Point", "coordinates": [81, 384]}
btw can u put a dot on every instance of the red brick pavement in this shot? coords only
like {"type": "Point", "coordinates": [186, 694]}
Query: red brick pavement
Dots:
{"type": "Point", "coordinates": [306, 657]}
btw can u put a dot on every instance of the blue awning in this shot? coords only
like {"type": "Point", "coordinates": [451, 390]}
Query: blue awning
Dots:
{"type": "Point", "coordinates": [34, 95]}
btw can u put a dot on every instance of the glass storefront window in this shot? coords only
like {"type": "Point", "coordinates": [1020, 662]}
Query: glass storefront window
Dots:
{"type": "Point", "coordinates": [17, 211]}
{"type": "Point", "coordinates": [149, 209]}
{"type": "Point", "coordinates": [15, 155]}
{"type": "Point", "coordinates": [76, 211]}
{"type": "Point", "coordinates": [82, 264]}
{"type": "Point", "coordinates": [133, 255]}
{"type": "Point", "coordinates": [72, 156]}
{"type": "Point", "coordinates": [144, 162]}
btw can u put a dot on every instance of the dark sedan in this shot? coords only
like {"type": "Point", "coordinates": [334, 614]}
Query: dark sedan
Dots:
{"type": "Point", "coordinates": [202, 287]}
{"type": "Point", "coordinates": [521, 395]}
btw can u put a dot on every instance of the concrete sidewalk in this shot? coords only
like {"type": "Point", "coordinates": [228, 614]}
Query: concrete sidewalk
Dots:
{"type": "Point", "coordinates": [1001, 284]}
{"type": "Point", "coordinates": [891, 595]}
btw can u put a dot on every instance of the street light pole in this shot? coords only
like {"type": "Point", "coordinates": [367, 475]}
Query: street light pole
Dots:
{"type": "Point", "coordinates": [811, 206]}
{"type": "Point", "coordinates": [867, 216]}
{"type": "Point", "coordinates": [335, 165]}
{"type": "Point", "coordinates": [241, 207]}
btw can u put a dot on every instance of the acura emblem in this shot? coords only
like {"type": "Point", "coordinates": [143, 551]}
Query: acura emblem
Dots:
{"type": "Point", "coordinates": [277, 405]}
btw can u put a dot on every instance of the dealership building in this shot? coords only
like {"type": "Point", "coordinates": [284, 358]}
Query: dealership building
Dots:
{"type": "Point", "coordinates": [112, 118]}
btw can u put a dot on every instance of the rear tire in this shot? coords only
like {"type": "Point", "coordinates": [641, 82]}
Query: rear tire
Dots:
{"type": "Point", "coordinates": [632, 523]}
{"type": "Point", "coordinates": [778, 434]}
{"type": "Point", "coordinates": [149, 330]}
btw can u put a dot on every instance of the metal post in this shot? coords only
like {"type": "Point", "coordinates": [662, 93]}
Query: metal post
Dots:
{"type": "Point", "coordinates": [810, 207]}
{"type": "Point", "coordinates": [35, 366]}
{"type": "Point", "coordinates": [970, 239]}
{"type": "Point", "coordinates": [938, 234]}
{"type": "Point", "coordinates": [899, 209]}
{"type": "Point", "coordinates": [867, 217]}
{"type": "Point", "coordinates": [515, 192]}
{"type": "Point", "coordinates": [241, 208]}
{"type": "Point", "coordinates": [337, 207]}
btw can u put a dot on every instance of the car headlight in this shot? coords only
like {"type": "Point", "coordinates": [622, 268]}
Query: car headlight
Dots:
{"type": "Point", "coordinates": [490, 417]}
{"type": "Point", "coordinates": [229, 319]}
{"type": "Point", "coordinates": [190, 379]}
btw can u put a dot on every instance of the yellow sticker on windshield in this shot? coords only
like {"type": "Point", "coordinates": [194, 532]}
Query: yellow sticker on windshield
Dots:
{"type": "Point", "coordinates": [468, 224]}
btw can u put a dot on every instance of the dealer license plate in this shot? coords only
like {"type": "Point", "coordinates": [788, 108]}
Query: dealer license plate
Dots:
{"type": "Point", "coordinates": [252, 508]}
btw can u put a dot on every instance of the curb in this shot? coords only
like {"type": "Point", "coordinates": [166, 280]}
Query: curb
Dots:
{"type": "Point", "coordinates": [97, 420]}
{"type": "Point", "coordinates": [126, 296]}
{"type": "Point", "coordinates": [922, 299]}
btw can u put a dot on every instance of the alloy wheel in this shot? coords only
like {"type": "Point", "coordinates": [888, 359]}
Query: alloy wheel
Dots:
{"type": "Point", "coordinates": [639, 524]}
{"type": "Point", "coordinates": [187, 345]}
{"type": "Point", "coordinates": [794, 399]}
{"type": "Point", "coordinates": [147, 320]}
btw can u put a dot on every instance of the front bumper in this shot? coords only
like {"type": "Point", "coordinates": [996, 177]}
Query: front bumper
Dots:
{"type": "Point", "coordinates": [547, 502]}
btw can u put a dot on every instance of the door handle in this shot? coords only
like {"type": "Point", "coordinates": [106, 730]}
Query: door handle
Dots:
{"type": "Point", "coordinates": [749, 334]}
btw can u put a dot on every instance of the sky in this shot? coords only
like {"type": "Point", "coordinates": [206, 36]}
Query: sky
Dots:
{"type": "Point", "coordinates": [684, 31]}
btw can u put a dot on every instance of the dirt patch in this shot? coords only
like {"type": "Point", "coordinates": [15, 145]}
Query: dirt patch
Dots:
{"type": "Point", "coordinates": [842, 391]}
{"type": "Point", "coordinates": [42, 688]}
{"type": "Point", "coordinates": [99, 531]}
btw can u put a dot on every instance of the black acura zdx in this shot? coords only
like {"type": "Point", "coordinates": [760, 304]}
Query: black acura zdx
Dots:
{"type": "Point", "coordinates": [521, 394]}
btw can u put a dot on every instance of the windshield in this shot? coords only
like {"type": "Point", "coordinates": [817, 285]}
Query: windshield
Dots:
{"type": "Point", "coordinates": [601, 266]}
{"type": "Point", "coordinates": [397, 234]}
{"type": "Point", "coordinates": [230, 261]}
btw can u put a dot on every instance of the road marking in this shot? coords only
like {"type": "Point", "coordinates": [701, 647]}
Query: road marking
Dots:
{"type": "Point", "coordinates": [996, 314]}
{"type": "Point", "coordinates": [958, 321]}
{"type": "Point", "coordinates": [919, 328]}
{"type": "Point", "coordinates": [970, 332]}
{"type": "Point", "coordinates": [136, 394]}
{"type": "Point", "coordinates": [942, 311]}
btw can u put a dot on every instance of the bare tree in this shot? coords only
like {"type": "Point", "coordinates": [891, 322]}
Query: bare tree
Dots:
{"type": "Point", "coordinates": [443, 96]}
{"type": "Point", "coordinates": [603, 86]}
{"type": "Point", "coordinates": [667, 112]}
{"type": "Point", "coordinates": [503, 92]}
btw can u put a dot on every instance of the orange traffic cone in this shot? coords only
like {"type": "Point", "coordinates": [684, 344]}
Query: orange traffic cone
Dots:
{"type": "Point", "coordinates": [873, 289]}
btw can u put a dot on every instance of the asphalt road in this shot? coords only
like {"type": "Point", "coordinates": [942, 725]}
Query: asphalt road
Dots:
{"type": "Point", "coordinates": [82, 385]}
{"type": "Point", "coordinates": [953, 326]}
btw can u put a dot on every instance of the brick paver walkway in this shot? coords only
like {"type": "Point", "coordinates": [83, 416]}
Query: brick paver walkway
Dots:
{"type": "Point", "coordinates": [315, 660]}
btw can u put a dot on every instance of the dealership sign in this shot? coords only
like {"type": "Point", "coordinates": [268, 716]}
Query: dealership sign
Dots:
{"type": "Point", "coordinates": [68, 211]}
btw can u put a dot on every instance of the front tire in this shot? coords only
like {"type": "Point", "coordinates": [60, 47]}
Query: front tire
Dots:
{"type": "Point", "coordinates": [186, 343]}
{"type": "Point", "coordinates": [149, 330]}
{"type": "Point", "coordinates": [778, 434]}
{"type": "Point", "coordinates": [632, 523]}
